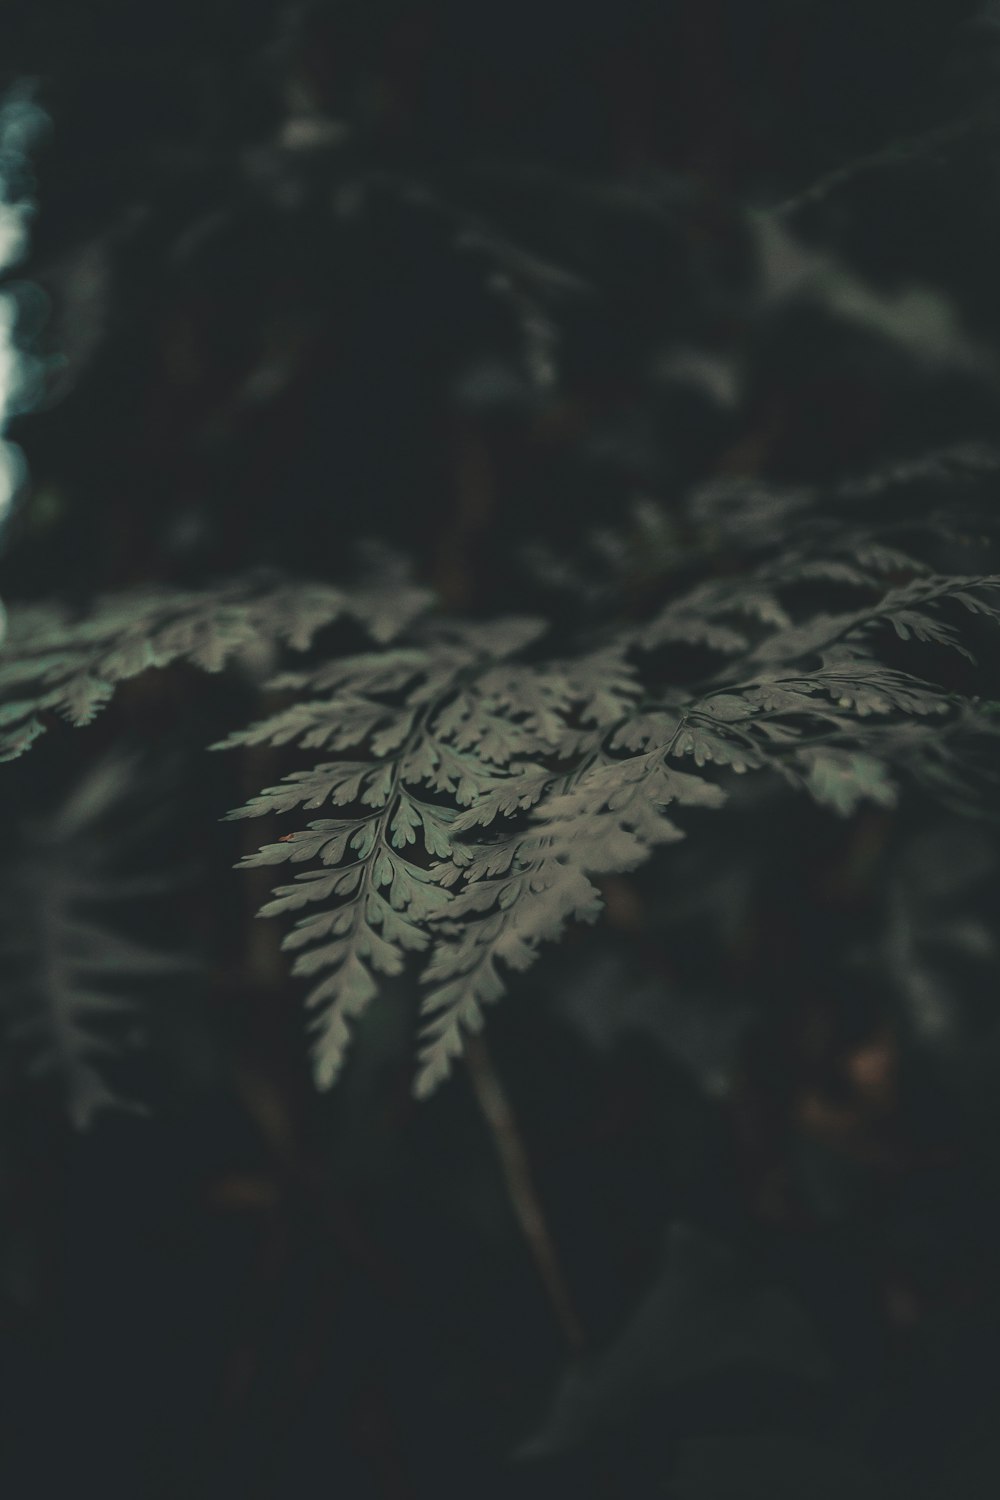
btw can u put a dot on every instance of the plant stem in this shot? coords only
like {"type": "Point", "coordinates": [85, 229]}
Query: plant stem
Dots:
{"type": "Point", "coordinates": [502, 1123]}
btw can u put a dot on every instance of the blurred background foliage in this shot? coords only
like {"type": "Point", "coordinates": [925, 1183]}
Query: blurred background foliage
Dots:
{"type": "Point", "coordinates": [522, 294]}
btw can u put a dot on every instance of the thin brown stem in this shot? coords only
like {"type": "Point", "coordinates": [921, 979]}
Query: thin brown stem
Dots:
{"type": "Point", "coordinates": [500, 1118]}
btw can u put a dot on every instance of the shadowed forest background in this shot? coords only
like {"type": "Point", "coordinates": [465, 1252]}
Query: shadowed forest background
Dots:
{"type": "Point", "coordinates": [497, 289]}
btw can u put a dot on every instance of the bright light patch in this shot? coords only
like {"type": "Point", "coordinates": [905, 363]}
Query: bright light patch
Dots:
{"type": "Point", "coordinates": [21, 123]}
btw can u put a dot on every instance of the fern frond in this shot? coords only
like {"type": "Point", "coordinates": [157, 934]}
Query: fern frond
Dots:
{"type": "Point", "coordinates": [605, 819]}
{"type": "Point", "coordinates": [433, 728]}
{"type": "Point", "coordinates": [74, 980]}
{"type": "Point", "coordinates": [455, 740]}
{"type": "Point", "coordinates": [50, 663]}
{"type": "Point", "coordinates": [472, 792]}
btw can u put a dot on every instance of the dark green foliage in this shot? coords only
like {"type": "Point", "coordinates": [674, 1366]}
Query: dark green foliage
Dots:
{"type": "Point", "coordinates": [73, 980]}
{"type": "Point", "coordinates": [556, 458]}
{"type": "Point", "coordinates": [484, 783]}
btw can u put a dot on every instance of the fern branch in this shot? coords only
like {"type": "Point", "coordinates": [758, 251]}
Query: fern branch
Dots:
{"type": "Point", "coordinates": [70, 668]}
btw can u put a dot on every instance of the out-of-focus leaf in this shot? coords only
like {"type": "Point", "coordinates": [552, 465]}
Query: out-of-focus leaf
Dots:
{"type": "Point", "coordinates": [705, 1315]}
